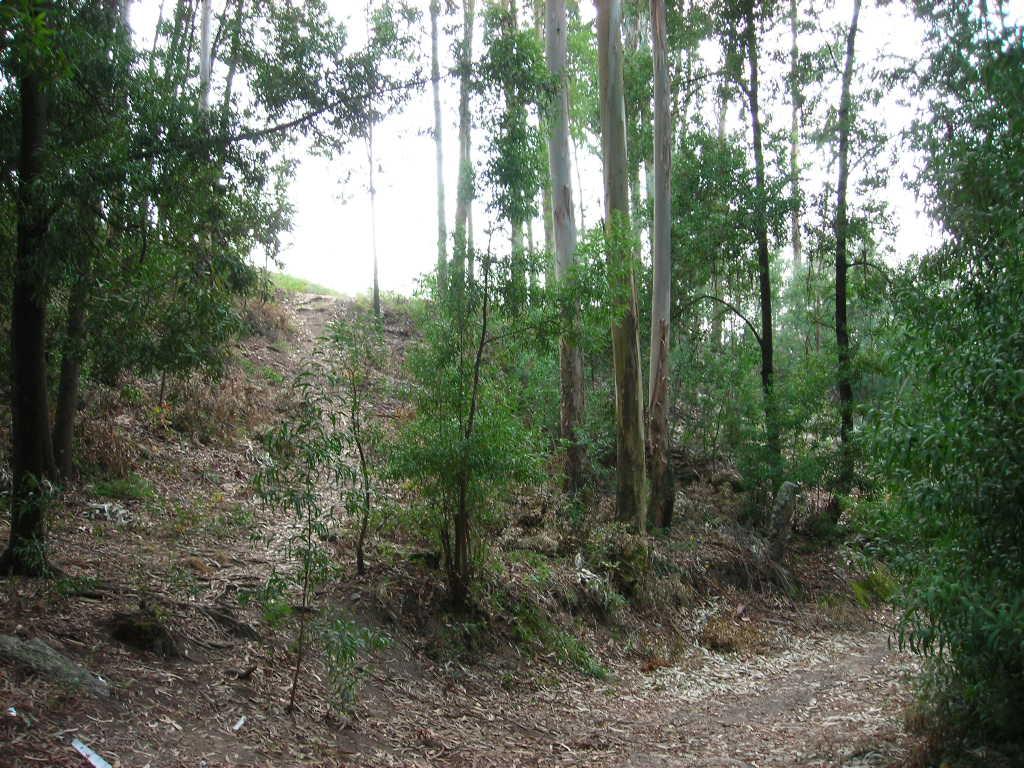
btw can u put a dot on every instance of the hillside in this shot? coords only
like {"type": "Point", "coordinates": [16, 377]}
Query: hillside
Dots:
{"type": "Point", "coordinates": [709, 663]}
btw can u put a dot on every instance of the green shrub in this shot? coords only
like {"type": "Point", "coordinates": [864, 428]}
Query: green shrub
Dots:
{"type": "Point", "coordinates": [132, 487]}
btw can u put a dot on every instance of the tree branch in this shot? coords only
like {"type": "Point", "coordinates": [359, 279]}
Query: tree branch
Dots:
{"type": "Point", "coordinates": [735, 311]}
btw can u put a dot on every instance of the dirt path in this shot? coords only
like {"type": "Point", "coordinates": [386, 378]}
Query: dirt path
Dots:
{"type": "Point", "coordinates": [830, 700]}
{"type": "Point", "coordinates": [810, 695]}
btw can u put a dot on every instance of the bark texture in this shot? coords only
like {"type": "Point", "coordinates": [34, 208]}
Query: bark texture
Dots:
{"type": "Point", "coordinates": [564, 225]}
{"type": "Point", "coordinates": [31, 447]}
{"type": "Point", "coordinates": [630, 463]}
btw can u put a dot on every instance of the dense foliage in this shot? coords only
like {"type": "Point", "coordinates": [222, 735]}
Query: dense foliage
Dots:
{"type": "Point", "coordinates": [139, 190]}
{"type": "Point", "coordinates": [949, 439]}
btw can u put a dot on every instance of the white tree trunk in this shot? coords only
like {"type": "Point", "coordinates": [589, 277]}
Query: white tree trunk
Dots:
{"type": "Point", "coordinates": [570, 360]}
{"type": "Point", "coordinates": [205, 54]}
{"type": "Point", "coordinates": [435, 82]}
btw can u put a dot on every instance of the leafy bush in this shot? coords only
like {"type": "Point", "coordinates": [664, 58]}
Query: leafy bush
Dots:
{"type": "Point", "coordinates": [947, 446]}
{"type": "Point", "coordinates": [466, 447]}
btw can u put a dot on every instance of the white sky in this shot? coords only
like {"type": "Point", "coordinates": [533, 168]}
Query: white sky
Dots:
{"type": "Point", "coordinates": [330, 242]}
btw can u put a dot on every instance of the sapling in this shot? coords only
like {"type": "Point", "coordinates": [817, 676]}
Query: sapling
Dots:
{"type": "Point", "coordinates": [304, 467]}
{"type": "Point", "coordinates": [355, 353]}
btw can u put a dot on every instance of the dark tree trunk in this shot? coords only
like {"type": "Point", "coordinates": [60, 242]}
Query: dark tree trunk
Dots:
{"type": "Point", "coordinates": [70, 369]}
{"type": "Point", "coordinates": [763, 260]}
{"type": "Point", "coordinates": [841, 226]}
{"type": "Point", "coordinates": [31, 448]}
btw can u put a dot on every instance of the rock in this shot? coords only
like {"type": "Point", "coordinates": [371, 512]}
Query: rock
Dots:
{"type": "Point", "coordinates": [44, 661]}
{"type": "Point", "coordinates": [144, 631]}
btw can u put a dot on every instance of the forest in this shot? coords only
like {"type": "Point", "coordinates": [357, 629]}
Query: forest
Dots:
{"type": "Point", "coordinates": [700, 441]}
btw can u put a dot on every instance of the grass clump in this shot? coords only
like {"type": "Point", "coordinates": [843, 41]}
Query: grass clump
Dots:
{"type": "Point", "coordinates": [131, 487]}
{"type": "Point", "coordinates": [292, 284]}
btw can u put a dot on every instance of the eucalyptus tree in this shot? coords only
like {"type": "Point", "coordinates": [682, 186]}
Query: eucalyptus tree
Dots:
{"type": "Point", "coordinates": [795, 100]}
{"type": "Point", "coordinates": [435, 87]}
{"type": "Point", "coordinates": [630, 463]}
{"type": "Point", "coordinates": [740, 22]}
{"type": "Point", "coordinates": [464, 193]}
{"type": "Point", "coordinates": [662, 483]}
{"type": "Point", "coordinates": [570, 359]}
{"type": "Point", "coordinates": [36, 65]}
{"type": "Point", "coordinates": [844, 386]}
{"type": "Point", "coordinates": [513, 80]}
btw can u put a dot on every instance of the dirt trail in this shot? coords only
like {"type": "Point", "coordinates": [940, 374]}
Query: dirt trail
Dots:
{"type": "Point", "coordinates": [830, 700]}
{"type": "Point", "coordinates": [812, 695]}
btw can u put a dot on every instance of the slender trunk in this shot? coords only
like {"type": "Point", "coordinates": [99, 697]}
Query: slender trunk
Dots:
{"type": "Point", "coordinates": [364, 473]}
{"type": "Point", "coordinates": [841, 227]}
{"type": "Point", "coordinates": [794, 140]}
{"type": "Point", "coordinates": [517, 111]}
{"type": "Point", "coordinates": [545, 187]}
{"type": "Point", "coordinates": [547, 211]}
{"type": "Point", "coordinates": [462, 251]}
{"type": "Point", "coordinates": [229, 81]}
{"type": "Point", "coordinates": [435, 84]}
{"type": "Point", "coordinates": [463, 563]}
{"type": "Point", "coordinates": [716, 264]}
{"type": "Point", "coordinates": [70, 369]}
{"type": "Point", "coordinates": [662, 483]}
{"type": "Point", "coordinates": [579, 181]}
{"type": "Point", "coordinates": [205, 56]}
{"type": "Point", "coordinates": [631, 464]}
{"type": "Point", "coordinates": [31, 447]}
{"type": "Point", "coordinates": [763, 260]}
{"type": "Point", "coordinates": [373, 221]}
{"type": "Point", "coordinates": [570, 359]}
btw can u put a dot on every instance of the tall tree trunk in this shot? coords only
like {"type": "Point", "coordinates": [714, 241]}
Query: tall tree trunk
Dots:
{"type": "Point", "coordinates": [229, 81]}
{"type": "Point", "coordinates": [545, 188]}
{"type": "Point", "coordinates": [763, 259]}
{"type": "Point", "coordinates": [794, 140]}
{"type": "Point", "coordinates": [205, 56]}
{"type": "Point", "coordinates": [70, 370]}
{"type": "Point", "coordinates": [716, 264]}
{"type": "Point", "coordinates": [435, 84]}
{"type": "Point", "coordinates": [662, 483]}
{"type": "Point", "coordinates": [373, 221]}
{"type": "Point", "coordinates": [547, 211]}
{"type": "Point", "coordinates": [518, 263]}
{"type": "Point", "coordinates": [75, 335]}
{"type": "Point", "coordinates": [31, 447]}
{"type": "Point", "coordinates": [579, 181]}
{"type": "Point", "coordinates": [841, 227]}
{"type": "Point", "coordinates": [464, 197]}
{"type": "Point", "coordinates": [570, 359]}
{"type": "Point", "coordinates": [631, 464]}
